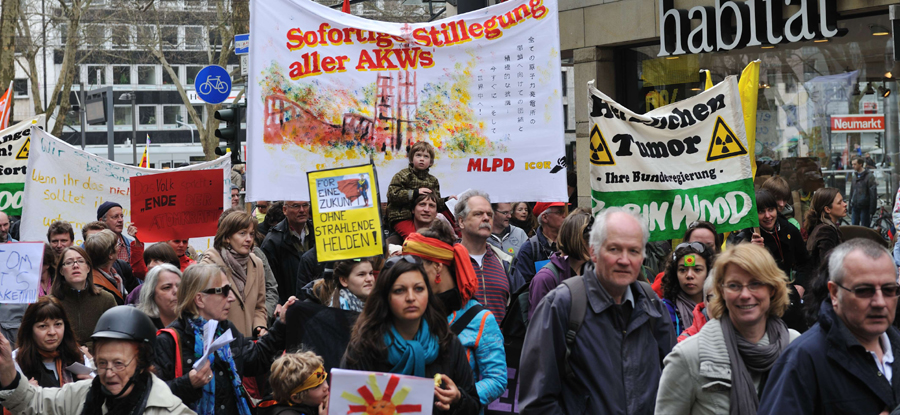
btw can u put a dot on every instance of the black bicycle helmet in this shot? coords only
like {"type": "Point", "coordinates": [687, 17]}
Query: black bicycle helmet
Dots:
{"type": "Point", "coordinates": [125, 323]}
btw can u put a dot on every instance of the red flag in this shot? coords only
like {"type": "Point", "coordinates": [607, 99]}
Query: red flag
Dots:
{"type": "Point", "coordinates": [346, 8]}
{"type": "Point", "coordinates": [5, 107]}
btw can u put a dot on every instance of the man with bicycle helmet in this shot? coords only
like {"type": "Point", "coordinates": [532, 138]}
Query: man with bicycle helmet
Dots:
{"type": "Point", "coordinates": [123, 351]}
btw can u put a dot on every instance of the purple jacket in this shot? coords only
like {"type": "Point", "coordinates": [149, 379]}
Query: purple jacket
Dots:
{"type": "Point", "coordinates": [544, 281]}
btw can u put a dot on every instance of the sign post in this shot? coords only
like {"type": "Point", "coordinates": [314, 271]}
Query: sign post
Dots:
{"type": "Point", "coordinates": [213, 84]}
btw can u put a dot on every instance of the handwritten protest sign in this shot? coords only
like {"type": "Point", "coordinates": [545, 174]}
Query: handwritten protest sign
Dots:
{"type": "Point", "coordinates": [329, 89]}
{"type": "Point", "coordinates": [346, 213]}
{"type": "Point", "coordinates": [20, 271]}
{"type": "Point", "coordinates": [15, 142]}
{"type": "Point", "coordinates": [357, 392]}
{"type": "Point", "coordinates": [177, 205]}
{"type": "Point", "coordinates": [686, 161]}
{"type": "Point", "coordinates": [66, 183]}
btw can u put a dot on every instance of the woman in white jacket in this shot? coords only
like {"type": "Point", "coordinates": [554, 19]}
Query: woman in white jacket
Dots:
{"type": "Point", "coordinates": [123, 351]}
{"type": "Point", "coordinates": [722, 369]}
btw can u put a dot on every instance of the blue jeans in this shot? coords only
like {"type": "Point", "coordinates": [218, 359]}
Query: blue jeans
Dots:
{"type": "Point", "coordinates": [861, 217]}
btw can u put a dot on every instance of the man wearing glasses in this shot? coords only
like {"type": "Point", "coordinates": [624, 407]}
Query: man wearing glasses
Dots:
{"type": "Point", "coordinates": [844, 363]}
{"type": "Point", "coordinates": [536, 253]}
{"type": "Point", "coordinates": [508, 238]}
{"type": "Point", "coordinates": [286, 243]}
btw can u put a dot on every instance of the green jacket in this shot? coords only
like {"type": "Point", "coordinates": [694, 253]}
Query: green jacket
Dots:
{"type": "Point", "coordinates": [404, 189]}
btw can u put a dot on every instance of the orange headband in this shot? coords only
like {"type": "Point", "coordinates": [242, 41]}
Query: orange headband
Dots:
{"type": "Point", "coordinates": [314, 380]}
{"type": "Point", "coordinates": [436, 251]}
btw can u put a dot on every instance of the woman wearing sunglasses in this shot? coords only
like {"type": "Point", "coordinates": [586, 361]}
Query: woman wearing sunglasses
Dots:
{"type": "Point", "coordinates": [232, 251]}
{"type": "Point", "coordinates": [215, 387]}
{"type": "Point", "coordinates": [401, 330]}
{"type": "Point", "coordinates": [723, 368]}
{"type": "Point", "coordinates": [685, 273]}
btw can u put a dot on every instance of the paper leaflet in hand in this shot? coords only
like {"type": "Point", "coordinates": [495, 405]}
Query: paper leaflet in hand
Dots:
{"type": "Point", "coordinates": [79, 369]}
{"type": "Point", "coordinates": [209, 345]}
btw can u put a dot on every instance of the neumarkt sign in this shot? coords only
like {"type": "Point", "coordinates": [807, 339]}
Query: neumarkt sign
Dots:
{"type": "Point", "coordinates": [733, 24]}
{"type": "Point", "coordinates": [676, 164]}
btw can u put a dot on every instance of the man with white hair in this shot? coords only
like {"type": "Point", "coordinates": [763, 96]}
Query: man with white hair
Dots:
{"type": "Point", "coordinates": [844, 363]}
{"type": "Point", "coordinates": [535, 253]}
{"type": "Point", "coordinates": [596, 343]}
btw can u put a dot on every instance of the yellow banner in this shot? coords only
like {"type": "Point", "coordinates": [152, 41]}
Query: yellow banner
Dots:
{"type": "Point", "coordinates": [346, 218]}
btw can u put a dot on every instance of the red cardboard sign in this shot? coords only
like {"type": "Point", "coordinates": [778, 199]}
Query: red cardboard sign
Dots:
{"type": "Point", "coordinates": [179, 205]}
{"type": "Point", "coordinates": [857, 123]}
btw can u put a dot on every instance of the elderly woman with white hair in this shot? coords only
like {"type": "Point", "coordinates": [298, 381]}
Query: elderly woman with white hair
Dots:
{"type": "Point", "coordinates": [159, 294]}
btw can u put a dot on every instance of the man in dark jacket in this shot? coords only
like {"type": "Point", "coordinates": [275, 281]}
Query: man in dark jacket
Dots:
{"type": "Point", "coordinates": [863, 194]}
{"type": "Point", "coordinates": [536, 251]}
{"type": "Point", "coordinates": [616, 357]}
{"type": "Point", "coordinates": [286, 242]}
{"type": "Point", "coordinates": [843, 364]}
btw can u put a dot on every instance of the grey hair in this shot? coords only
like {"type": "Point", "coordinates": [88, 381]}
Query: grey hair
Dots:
{"type": "Point", "coordinates": [598, 234]}
{"type": "Point", "coordinates": [147, 303]}
{"type": "Point", "coordinates": [461, 210]}
{"type": "Point", "coordinates": [868, 247]}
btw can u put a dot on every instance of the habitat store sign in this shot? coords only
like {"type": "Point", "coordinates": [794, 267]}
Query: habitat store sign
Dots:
{"type": "Point", "coordinates": [680, 163]}
{"type": "Point", "coordinates": [735, 24]}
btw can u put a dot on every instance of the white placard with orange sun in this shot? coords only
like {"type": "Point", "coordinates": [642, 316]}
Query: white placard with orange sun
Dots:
{"type": "Point", "coordinates": [373, 393]}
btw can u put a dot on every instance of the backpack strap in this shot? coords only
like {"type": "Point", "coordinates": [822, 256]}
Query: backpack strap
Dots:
{"type": "Point", "coordinates": [460, 324]}
{"type": "Point", "coordinates": [179, 371]}
{"type": "Point", "coordinates": [576, 316]}
{"type": "Point", "coordinates": [555, 270]}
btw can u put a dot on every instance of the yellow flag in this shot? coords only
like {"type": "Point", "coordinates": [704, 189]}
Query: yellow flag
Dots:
{"type": "Point", "coordinates": [748, 86]}
{"type": "Point", "coordinates": [709, 83]}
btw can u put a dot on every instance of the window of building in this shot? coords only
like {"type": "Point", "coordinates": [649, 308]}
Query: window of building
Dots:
{"type": "Point", "coordinates": [121, 37]}
{"type": "Point", "coordinates": [96, 75]}
{"type": "Point", "coordinates": [168, 35]}
{"type": "Point", "coordinates": [94, 36]}
{"type": "Point", "coordinates": [167, 80]}
{"type": "Point", "coordinates": [146, 36]}
{"type": "Point", "coordinates": [564, 83]}
{"type": "Point", "coordinates": [199, 109]}
{"type": "Point", "coordinates": [146, 75]}
{"type": "Point", "coordinates": [193, 4]}
{"type": "Point", "coordinates": [171, 114]}
{"type": "Point", "coordinates": [191, 71]}
{"type": "Point", "coordinates": [169, 4]}
{"type": "Point", "coordinates": [122, 115]}
{"type": "Point", "coordinates": [63, 32]}
{"type": "Point", "coordinates": [147, 115]}
{"type": "Point", "coordinates": [121, 75]}
{"type": "Point", "coordinates": [20, 88]}
{"type": "Point", "coordinates": [193, 37]}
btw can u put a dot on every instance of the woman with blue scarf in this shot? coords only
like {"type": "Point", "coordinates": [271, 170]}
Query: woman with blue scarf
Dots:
{"type": "Point", "coordinates": [215, 387]}
{"type": "Point", "coordinates": [401, 331]}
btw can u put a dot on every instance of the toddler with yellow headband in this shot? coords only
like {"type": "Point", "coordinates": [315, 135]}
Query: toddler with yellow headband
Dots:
{"type": "Point", "coordinates": [299, 385]}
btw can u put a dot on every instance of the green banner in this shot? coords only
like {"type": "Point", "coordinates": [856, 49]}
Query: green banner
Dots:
{"type": "Point", "coordinates": [11, 195]}
{"type": "Point", "coordinates": [730, 206]}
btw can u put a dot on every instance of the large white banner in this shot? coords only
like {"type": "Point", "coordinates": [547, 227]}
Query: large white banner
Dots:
{"type": "Point", "coordinates": [15, 142]}
{"type": "Point", "coordinates": [328, 89]}
{"type": "Point", "coordinates": [66, 183]}
{"type": "Point", "coordinates": [686, 161]}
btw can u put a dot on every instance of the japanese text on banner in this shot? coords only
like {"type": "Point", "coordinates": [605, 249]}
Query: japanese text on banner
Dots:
{"type": "Point", "coordinates": [680, 163]}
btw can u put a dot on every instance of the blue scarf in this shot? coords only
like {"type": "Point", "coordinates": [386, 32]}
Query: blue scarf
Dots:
{"type": "Point", "coordinates": [409, 357]}
{"type": "Point", "coordinates": [207, 404]}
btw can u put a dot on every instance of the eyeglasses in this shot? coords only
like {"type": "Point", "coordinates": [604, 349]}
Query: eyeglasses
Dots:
{"type": "Point", "coordinates": [114, 366]}
{"type": "Point", "coordinates": [735, 288]}
{"type": "Point", "coordinates": [699, 247]}
{"type": "Point", "coordinates": [70, 262]}
{"type": "Point", "coordinates": [298, 206]}
{"type": "Point", "coordinates": [223, 290]}
{"type": "Point", "coordinates": [868, 291]}
{"type": "Point", "coordinates": [504, 212]}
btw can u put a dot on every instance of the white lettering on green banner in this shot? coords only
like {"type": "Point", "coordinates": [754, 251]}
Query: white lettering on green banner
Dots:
{"type": "Point", "coordinates": [680, 163]}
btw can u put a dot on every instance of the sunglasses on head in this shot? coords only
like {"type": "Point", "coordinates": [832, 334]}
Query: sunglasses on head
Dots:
{"type": "Point", "coordinates": [412, 259]}
{"type": "Point", "coordinates": [223, 290]}
{"type": "Point", "coordinates": [587, 229]}
{"type": "Point", "coordinates": [699, 247]}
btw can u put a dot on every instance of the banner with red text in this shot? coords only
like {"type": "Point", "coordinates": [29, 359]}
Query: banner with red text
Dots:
{"type": "Point", "coordinates": [67, 183]}
{"type": "Point", "coordinates": [328, 90]}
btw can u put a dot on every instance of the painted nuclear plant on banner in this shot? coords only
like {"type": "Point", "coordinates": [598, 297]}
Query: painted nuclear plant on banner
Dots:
{"type": "Point", "coordinates": [328, 89]}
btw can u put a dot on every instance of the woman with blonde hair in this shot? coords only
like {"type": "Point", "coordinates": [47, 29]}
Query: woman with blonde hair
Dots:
{"type": "Point", "coordinates": [244, 270]}
{"type": "Point", "coordinates": [738, 346]}
{"type": "Point", "coordinates": [215, 387]}
{"type": "Point", "coordinates": [299, 386]}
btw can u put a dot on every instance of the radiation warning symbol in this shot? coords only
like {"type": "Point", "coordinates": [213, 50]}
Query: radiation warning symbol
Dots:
{"type": "Point", "coordinates": [23, 152]}
{"type": "Point", "coordinates": [600, 154]}
{"type": "Point", "coordinates": [724, 143]}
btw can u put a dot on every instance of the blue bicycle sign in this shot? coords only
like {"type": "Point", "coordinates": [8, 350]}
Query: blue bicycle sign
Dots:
{"type": "Point", "coordinates": [213, 84]}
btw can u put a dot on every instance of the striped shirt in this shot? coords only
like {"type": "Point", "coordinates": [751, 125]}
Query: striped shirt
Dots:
{"type": "Point", "coordinates": [493, 284]}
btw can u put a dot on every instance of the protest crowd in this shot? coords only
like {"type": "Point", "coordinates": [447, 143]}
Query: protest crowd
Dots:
{"type": "Point", "coordinates": [543, 307]}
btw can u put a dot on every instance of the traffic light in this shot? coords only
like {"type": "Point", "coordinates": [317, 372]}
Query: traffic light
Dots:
{"type": "Point", "coordinates": [232, 118]}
